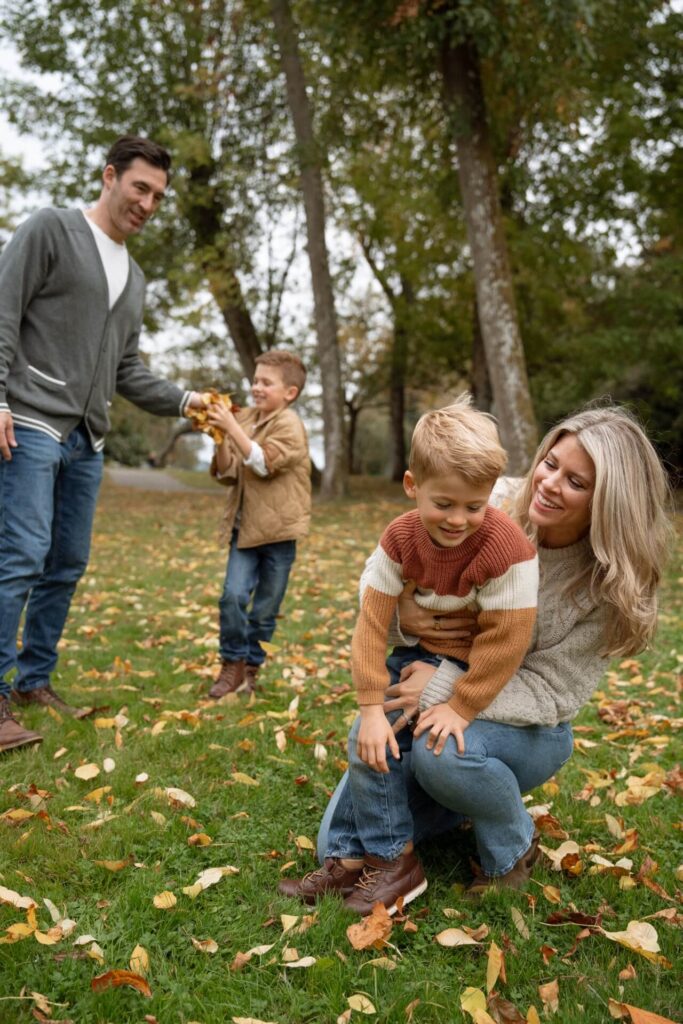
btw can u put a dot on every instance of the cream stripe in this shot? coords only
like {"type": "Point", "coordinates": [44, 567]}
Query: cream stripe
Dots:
{"type": "Point", "coordinates": [515, 589]}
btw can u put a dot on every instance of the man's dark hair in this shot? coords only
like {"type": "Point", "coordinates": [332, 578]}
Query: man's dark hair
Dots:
{"type": "Point", "coordinates": [131, 147]}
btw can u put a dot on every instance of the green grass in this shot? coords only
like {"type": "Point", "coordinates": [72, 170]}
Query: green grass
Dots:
{"type": "Point", "coordinates": [141, 642]}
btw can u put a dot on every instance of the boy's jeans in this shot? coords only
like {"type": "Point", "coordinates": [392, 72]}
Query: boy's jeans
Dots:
{"type": "Point", "coordinates": [258, 575]}
{"type": "Point", "coordinates": [374, 816]}
{"type": "Point", "coordinates": [484, 785]}
{"type": "Point", "coordinates": [48, 493]}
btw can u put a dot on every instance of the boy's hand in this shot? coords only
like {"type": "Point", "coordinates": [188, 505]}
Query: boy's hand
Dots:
{"type": "Point", "coordinates": [442, 721]}
{"type": "Point", "coordinates": [374, 735]}
{"type": "Point", "coordinates": [218, 415]}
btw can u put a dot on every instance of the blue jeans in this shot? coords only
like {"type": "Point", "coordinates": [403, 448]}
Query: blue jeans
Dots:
{"type": "Point", "coordinates": [374, 815]}
{"type": "Point", "coordinates": [258, 575]}
{"type": "Point", "coordinates": [48, 493]}
{"type": "Point", "coordinates": [484, 786]}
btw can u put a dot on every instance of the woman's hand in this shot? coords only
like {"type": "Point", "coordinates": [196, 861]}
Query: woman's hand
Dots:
{"type": "Point", "coordinates": [405, 694]}
{"type": "Point", "coordinates": [421, 622]}
{"type": "Point", "coordinates": [374, 735]}
{"type": "Point", "coordinates": [442, 721]}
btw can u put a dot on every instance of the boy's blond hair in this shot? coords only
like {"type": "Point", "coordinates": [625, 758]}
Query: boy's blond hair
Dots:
{"type": "Point", "coordinates": [288, 363]}
{"type": "Point", "coordinates": [457, 439]}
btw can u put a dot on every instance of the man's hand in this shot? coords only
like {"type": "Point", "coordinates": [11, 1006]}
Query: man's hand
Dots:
{"type": "Point", "coordinates": [442, 721]}
{"type": "Point", "coordinates": [374, 736]}
{"type": "Point", "coordinates": [7, 438]}
{"type": "Point", "coordinates": [195, 401]}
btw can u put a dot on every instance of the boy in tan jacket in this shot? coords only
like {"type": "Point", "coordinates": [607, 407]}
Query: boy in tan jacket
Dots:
{"type": "Point", "coordinates": [265, 463]}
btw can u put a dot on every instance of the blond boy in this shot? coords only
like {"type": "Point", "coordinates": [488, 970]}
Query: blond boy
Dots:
{"type": "Point", "coordinates": [265, 463]}
{"type": "Point", "coordinates": [460, 552]}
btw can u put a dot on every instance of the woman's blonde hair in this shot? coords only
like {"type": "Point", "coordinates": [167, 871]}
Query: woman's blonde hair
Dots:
{"type": "Point", "coordinates": [630, 529]}
{"type": "Point", "coordinates": [457, 439]}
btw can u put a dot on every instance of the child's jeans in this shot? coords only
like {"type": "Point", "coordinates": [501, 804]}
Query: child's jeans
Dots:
{"type": "Point", "coordinates": [373, 814]}
{"type": "Point", "coordinates": [258, 575]}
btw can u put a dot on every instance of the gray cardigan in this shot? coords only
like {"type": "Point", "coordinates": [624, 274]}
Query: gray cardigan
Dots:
{"type": "Point", "coordinates": [63, 352]}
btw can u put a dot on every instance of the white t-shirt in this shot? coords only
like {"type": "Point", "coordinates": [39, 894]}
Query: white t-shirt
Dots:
{"type": "Point", "coordinates": [114, 256]}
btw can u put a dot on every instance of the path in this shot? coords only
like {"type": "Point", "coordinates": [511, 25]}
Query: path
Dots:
{"type": "Point", "coordinates": [147, 479]}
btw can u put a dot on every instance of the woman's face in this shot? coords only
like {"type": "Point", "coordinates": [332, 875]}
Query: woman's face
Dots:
{"type": "Point", "coordinates": [563, 485]}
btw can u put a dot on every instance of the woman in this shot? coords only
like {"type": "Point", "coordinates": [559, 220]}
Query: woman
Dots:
{"type": "Point", "coordinates": [595, 501]}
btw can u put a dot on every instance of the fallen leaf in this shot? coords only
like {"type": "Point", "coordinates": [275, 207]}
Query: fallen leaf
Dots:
{"type": "Point", "coordinates": [113, 865]}
{"type": "Point", "coordinates": [306, 961]}
{"type": "Point", "coordinates": [179, 798]}
{"type": "Point", "coordinates": [245, 780]}
{"type": "Point", "coordinates": [139, 960]}
{"type": "Point", "coordinates": [15, 900]}
{"type": "Point", "coordinates": [641, 937]}
{"type": "Point", "coordinates": [165, 900]}
{"type": "Point", "coordinates": [199, 839]}
{"type": "Point", "coordinates": [520, 923]}
{"type": "Point", "coordinates": [455, 937]}
{"type": "Point", "coordinates": [87, 771]}
{"type": "Point", "coordinates": [205, 945]}
{"type": "Point", "coordinates": [113, 979]}
{"type": "Point", "coordinates": [550, 996]}
{"type": "Point", "coordinates": [372, 931]}
{"type": "Point", "coordinates": [360, 1003]}
{"type": "Point", "coordinates": [495, 966]}
{"type": "Point", "coordinates": [304, 843]}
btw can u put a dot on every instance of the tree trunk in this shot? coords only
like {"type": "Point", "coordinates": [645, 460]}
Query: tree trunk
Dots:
{"type": "Point", "coordinates": [334, 480]}
{"type": "Point", "coordinates": [205, 216]}
{"type": "Point", "coordinates": [397, 396]}
{"type": "Point", "coordinates": [352, 415]}
{"type": "Point", "coordinates": [464, 99]}
{"type": "Point", "coordinates": [480, 381]}
{"type": "Point", "coordinates": [159, 459]}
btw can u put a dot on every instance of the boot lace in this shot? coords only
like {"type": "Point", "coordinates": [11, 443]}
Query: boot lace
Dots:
{"type": "Point", "coordinates": [369, 878]}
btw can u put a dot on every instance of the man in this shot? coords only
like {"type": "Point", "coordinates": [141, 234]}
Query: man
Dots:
{"type": "Point", "coordinates": [71, 307]}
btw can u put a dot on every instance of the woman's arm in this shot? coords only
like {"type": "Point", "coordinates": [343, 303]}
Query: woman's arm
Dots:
{"type": "Point", "coordinates": [421, 622]}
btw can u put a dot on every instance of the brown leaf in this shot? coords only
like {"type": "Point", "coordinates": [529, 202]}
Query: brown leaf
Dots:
{"type": "Point", "coordinates": [373, 931]}
{"type": "Point", "coordinates": [645, 1017]}
{"type": "Point", "coordinates": [503, 1011]}
{"type": "Point", "coordinates": [410, 1009]}
{"type": "Point", "coordinates": [114, 979]}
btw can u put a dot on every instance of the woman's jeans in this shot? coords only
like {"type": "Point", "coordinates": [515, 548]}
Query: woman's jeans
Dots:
{"type": "Point", "coordinates": [484, 785]}
{"type": "Point", "coordinates": [48, 493]}
{"type": "Point", "coordinates": [258, 575]}
{"type": "Point", "coordinates": [384, 822]}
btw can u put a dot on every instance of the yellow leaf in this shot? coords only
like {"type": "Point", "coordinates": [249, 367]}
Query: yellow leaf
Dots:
{"type": "Point", "coordinates": [139, 960]}
{"type": "Point", "coordinates": [268, 647]}
{"type": "Point", "coordinates": [493, 966]}
{"type": "Point", "coordinates": [246, 780]}
{"type": "Point", "coordinates": [455, 937]}
{"type": "Point", "coordinates": [641, 937]}
{"type": "Point", "coordinates": [520, 923]}
{"type": "Point", "coordinates": [95, 795]}
{"type": "Point", "coordinates": [16, 816]}
{"type": "Point", "coordinates": [113, 865]}
{"type": "Point", "coordinates": [205, 945]}
{"type": "Point", "coordinates": [87, 771]}
{"type": "Point", "coordinates": [532, 1016]}
{"type": "Point", "coordinates": [179, 797]}
{"type": "Point", "coordinates": [15, 900]}
{"type": "Point", "coordinates": [157, 817]}
{"type": "Point", "coordinates": [50, 937]}
{"type": "Point", "coordinates": [165, 900]}
{"type": "Point", "coordinates": [199, 839]}
{"type": "Point", "coordinates": [471, 1000]}
{"type": "Point", "coordinates": [304, 843]}
{"type": "Point", "coordinates": [381, 961]}
{"type": "Point", "coordinates": [251, 1020]}
{"type": "Point", "coordinates": [360, 1003]}
{"type": "Point", "coordinates": [104, 723]}
{"type": "Point", "coordinates": [306, 961]}
{"type": "Point", "coordinates": [550, 995]}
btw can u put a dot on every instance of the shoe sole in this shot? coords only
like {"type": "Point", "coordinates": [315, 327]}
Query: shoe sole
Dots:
{"type": "Point", "coordinates": [21, 743]}
{"type": "Point", "coordinates": [409, 897]}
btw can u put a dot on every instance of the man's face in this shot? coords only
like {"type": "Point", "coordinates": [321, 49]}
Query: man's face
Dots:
{"type": "Point", "coordinates": [131, 198]}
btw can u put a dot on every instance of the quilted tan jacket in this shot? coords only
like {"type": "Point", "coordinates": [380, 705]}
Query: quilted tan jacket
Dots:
{"type": "Point", "coordinates": [274, 507]}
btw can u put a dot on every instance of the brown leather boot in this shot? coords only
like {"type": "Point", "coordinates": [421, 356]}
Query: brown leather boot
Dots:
{"type": "Point", "coordinates": [230, 679]}
{"type": "Point", "coordinates": [331, 877]}
{"type": "Point", "coordinates": [12, 734]}
{"type": "Point", "coordinates": [250, 674]}
{"type": "Point", "coordinates": [383, 881]}
{"type": "Point", "coordinates": [516, 878]}
{"type": "Point", "coordinates": [46, 697]}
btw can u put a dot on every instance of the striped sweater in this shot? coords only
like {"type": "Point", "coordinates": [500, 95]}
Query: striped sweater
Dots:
{"type": "Point", "coordinates": [494, 571]}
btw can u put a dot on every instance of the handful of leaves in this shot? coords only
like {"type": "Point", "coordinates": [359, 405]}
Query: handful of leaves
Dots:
{"type": "Point", "coordinates": [200, 419]}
